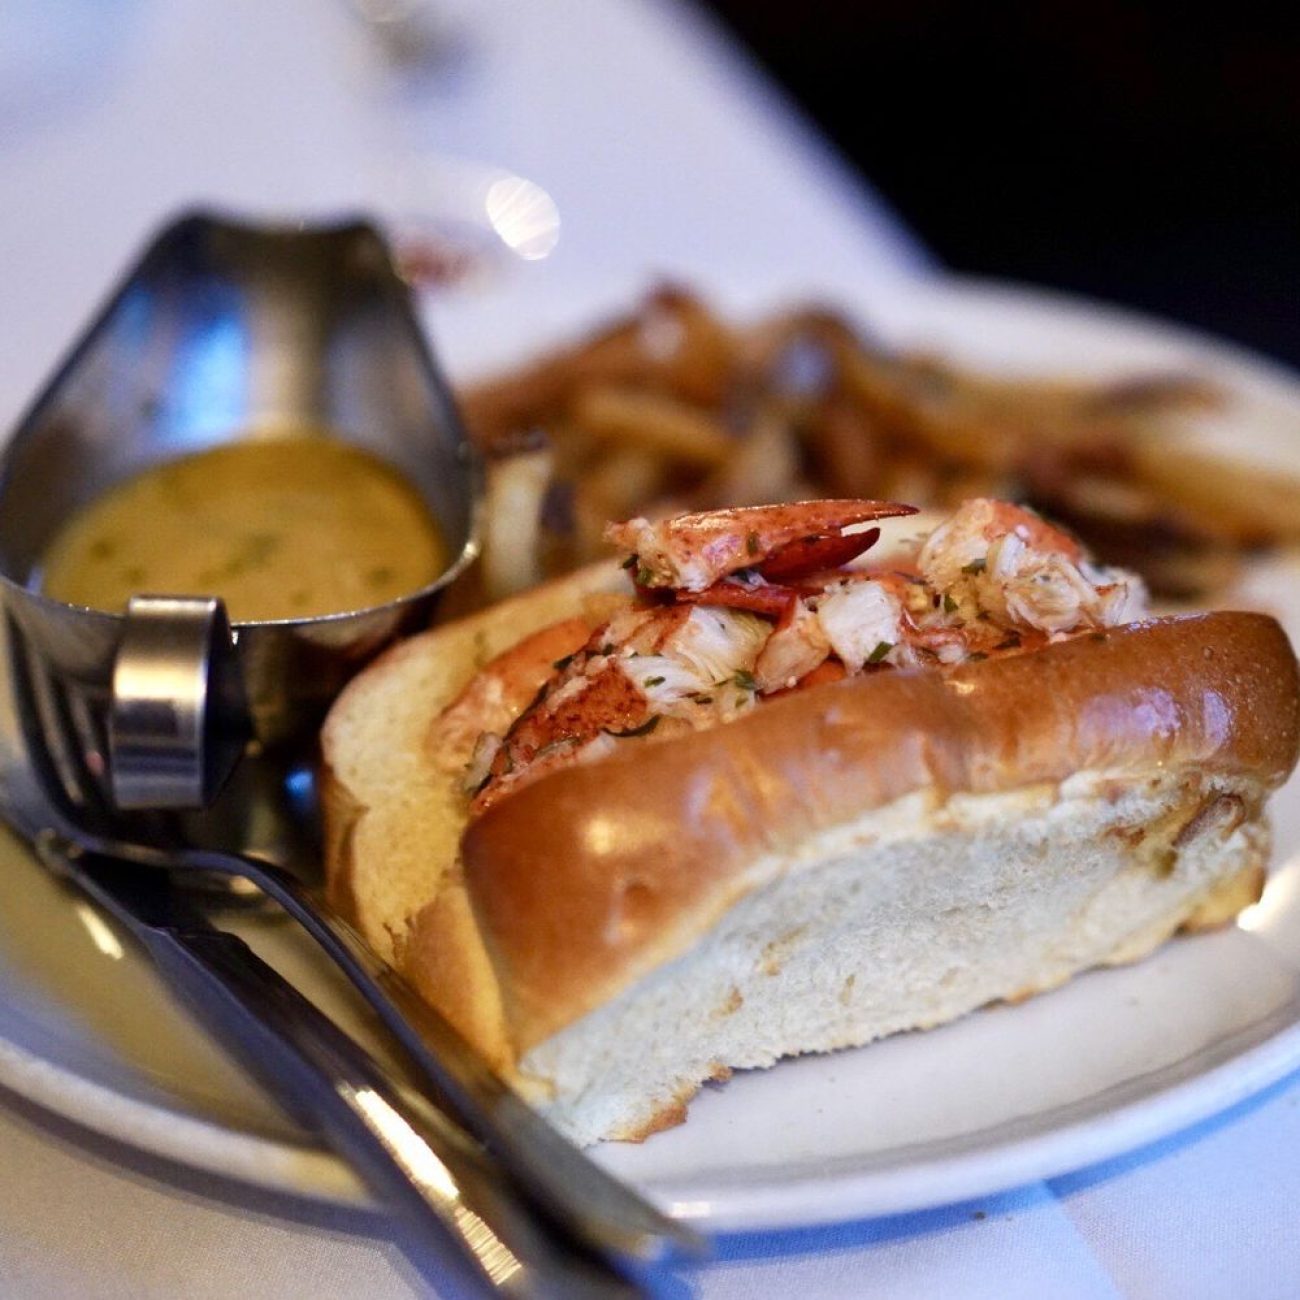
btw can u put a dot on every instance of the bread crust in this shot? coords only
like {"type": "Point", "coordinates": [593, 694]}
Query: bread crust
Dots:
{"type": "Point", "coordinates": [393, 808]}
{"type": "Point", "coordinates": [591, 877]}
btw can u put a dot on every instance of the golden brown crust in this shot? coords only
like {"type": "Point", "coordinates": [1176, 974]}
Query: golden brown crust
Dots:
{"type": "Point", "coordinates": [344, 813]}
{"type": "Point", "coordinates": [443, 960]}
{"type": "Point", "coordinates": [593, 876]}
{"type": "Point", "coordinates": [669, 1115]}
{"type": "Point", "coordinates": [393, 808]}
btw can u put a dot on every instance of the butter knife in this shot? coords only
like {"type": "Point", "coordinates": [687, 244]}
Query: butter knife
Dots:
{"type": "Point", "coordinates": [411, 1155]}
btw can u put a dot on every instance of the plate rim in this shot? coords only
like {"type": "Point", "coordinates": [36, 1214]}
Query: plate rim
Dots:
{"type": "Point", "coordinates": [189, 1140]}
{"type": "Point", "coordinates": [179, 1136]}
{"type": "Point", "coordinates": [803, 1202]}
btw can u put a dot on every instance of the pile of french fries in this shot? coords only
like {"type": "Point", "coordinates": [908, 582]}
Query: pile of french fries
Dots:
{"type": "Point", "coordinates": [672, 408]}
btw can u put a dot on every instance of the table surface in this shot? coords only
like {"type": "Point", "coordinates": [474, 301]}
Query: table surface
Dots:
{"type": "Point", "coordinates": [664, 152]}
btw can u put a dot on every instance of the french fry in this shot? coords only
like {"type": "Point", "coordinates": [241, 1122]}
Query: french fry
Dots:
{"type": "Point", "coordinates": [763, 468]}
{"type": "Point", "coordinates": [620, 483]}
{"type": "Point", "coordinates": [672, 343]}
{"type": "Point", "coordinates": [1250, 505]}
{"type": "Point", "coordinates": [701, 350]}
{"type": "Point", "coordinates": [845, 449]}
{"type": "Point", "coordinates": [655, 422]}
{"type": "Point", "coordinates": [512, 514]}
{"type": "Point", "coordinates": [669, 405]}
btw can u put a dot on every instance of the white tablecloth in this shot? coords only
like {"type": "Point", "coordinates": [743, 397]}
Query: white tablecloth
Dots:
{"type": "Point", "coordinates": [1208, 1215]}
{"type": "Point", "coordinates": [663, 151]}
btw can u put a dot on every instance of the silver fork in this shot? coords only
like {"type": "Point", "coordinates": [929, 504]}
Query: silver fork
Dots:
{"type": "Point", "coordinates": [573, 1191]}
{"type": "Point", "coordinates": [413, 1157]}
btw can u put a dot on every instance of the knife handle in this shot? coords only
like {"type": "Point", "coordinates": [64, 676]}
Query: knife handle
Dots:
{"type": "Point", "coordinates": [407, 1152]}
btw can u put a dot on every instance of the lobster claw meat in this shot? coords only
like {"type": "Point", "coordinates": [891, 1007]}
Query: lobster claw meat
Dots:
{"type": "Point", "coordinates": [693, 552]}
{"type": "Point", "coordinates": [814, 554]}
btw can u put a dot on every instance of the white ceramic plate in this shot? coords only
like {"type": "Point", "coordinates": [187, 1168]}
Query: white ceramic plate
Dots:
{"type": "Point", "coordinates": [1115, 1059]}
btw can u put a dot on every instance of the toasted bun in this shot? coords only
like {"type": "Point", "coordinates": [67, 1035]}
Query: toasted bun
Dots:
{"type": "Point", "coordinates": [618, 932]}
{"type": "Point", "coordinates": [394, 808]}
{"type": "Point", "coordinates": [590, 878]}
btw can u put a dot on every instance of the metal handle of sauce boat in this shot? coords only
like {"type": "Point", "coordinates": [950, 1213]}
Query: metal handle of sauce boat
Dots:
{"type": "Point", "coordinates": [177, 721]}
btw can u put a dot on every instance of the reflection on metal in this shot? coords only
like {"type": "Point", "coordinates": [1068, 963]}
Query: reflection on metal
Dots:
{"type": "Point", "coordinates": [402, 1138]}
{"type": "Point", "coordinates": [100, 935]}
{"type": "Point", "coordinates": [421, 1163]}
{"type": "Point", "coordinates": [221, 331]}
{"type": "Point", "coordinates": [177, 714]}
{"type": "Point", "coordinates": [210, 383]}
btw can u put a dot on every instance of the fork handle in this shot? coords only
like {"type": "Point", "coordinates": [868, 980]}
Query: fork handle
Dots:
{"type": "Point", "coordinates": [572, 1188]}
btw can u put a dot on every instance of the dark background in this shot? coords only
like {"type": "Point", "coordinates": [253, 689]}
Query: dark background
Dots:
{"type": "Point", "coordinates": [1143, 152]}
